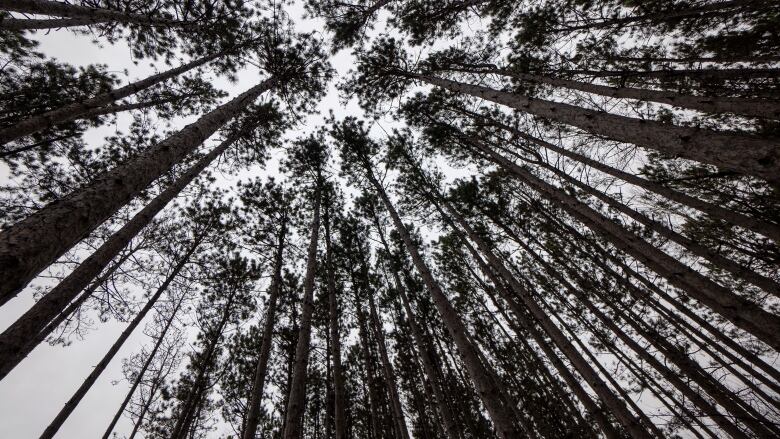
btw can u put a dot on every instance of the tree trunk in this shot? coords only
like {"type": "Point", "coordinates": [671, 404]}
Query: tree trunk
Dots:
{"type": "Point", "coordinates": [483, 378]}
{"type": "Point", "coordinates": [424, 351]}
{"type": "Point", "coordinates": [81, 110]}
{"type": "Point", "coordinates": [14, 344]}
{"type": "Point", "coordinates": [339, 407]}
{"type": "Point", "coordinates": [742, 313]}
{"type": "Point", "coordinates": [297, 396]}
{"type": "Point", "coordinates": [59, 9]}
{"type": "Point", "coordinates": [152, 391]}
{"type": "Point", "coordinates": [765, 108]}
{"type": "Point", "coordinates": [749, 155]}
{"type": "Point", "coordinates": [143, 370]}
{"type": "Point", "coordinates": [767, 229]}
{"type": "Point", "coordinates": [46, 24]}
{"type": "Point", "coordinates": [392, 390]}
{"type": "Point", "coordinates": [373, 394]}
{"type": "Point", "coordinates": [63, 415]}
{"type": "Point", "coordinates": [253, 409]}
{"type": "Point", "coordinates": [31, 245]}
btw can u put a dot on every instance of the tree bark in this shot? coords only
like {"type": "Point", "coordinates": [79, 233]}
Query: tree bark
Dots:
{"type": "Point", "coordinates": [81, 110]}
{"type": "Point", "coordinates": [742, 313]}
{"type": "Point", "coordinates": [143, 370]}
{"type": "Point", "coordinates": [47, 24]}
{"type": "Point", "coordinates": [59, 9]}
{"type": "Point", "coordinates": [14, 344]}
{"type": "Point", "coordinates": [483, 378]}
{"type": "Point", "coordinates": [749, 155]}
{"type": "Point", "coordinates": [253, 409]}
{"type": "Point", "coordinates": [297, 396]}
{"type": "Point", "coordinates": [31, 245]}
{"type": "Point", "coordinates": [63, 415]}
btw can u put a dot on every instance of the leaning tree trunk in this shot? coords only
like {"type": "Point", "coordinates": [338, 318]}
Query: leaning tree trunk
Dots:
{"type": "Point", "coordinates": [395, 402]}
{"type": "Point", "coordinates": [52, 23]}
{"type": "Point", "coordinates": [741, 153]}
{"type": "Point", "coordinates": [424, 351]}
{"type": "Point", "coordinates": [143, 370]}
{"type": "Point", "coordinates": [767, 229]}
{"type": "Point", "coordinates": [34, 243]}
{"type": "Point", "coordinates": [81, 110]}
{"type": "Point", "coordinates": [59, 9]}
{"type": "Point", "coordinates": [297, 396]}
{"type": "Point", "coordinates": [766, 108]}
{"type": "Point", "coordinates": [63, 415]}
{"type": "Point", "coordinates": [14, 341]}
{"type": "Point", "coordinates": [482, 377]}
{"type": "Point", "coordinates": [339, 408]}
{"type": "Point", "coordinates": [253, 409]}
{"type": "Point", "coordinates": [742, 313]}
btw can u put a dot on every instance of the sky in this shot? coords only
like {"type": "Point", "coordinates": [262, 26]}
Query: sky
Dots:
{"type": "Point", "coordinates": [32, 394]}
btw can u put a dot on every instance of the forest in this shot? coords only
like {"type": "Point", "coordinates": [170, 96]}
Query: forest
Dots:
{"type": "Point", "coordinates": [389, 219]}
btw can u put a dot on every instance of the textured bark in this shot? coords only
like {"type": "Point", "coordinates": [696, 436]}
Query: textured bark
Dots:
{"type": "Point", "coordinates": [297, 396]}
{"type": "Point", "coordinates": [339, 404]}
{"type": "Point", "coordinates": [718, 261]}
{"type": "Point", "coordinates": [43, 24]}
{"type": "Point", "coordinates": [767, 229]}
{"type": "Point", "coordinates": [63, 415]}
{"type": "Point", "coordinates": [392, 390]}
{"type": "Point", "coordinates": [59, 9]}
{"type": "Point", "coordinates": [31, 245]}
{"type": "Point", "coordinates": [14, 341]}
{"type": "Point", "coordinates": [252, 416]}
{"type": "Point", "coordinates": [766, 108]}
{"type": "Point", "coordinates": [749, 155]}
{"type": "Point", "coordinates": [424, 351]}
{"type": "Point", "coordinates": [142, 371]}
{"type": "Point", "coordinates": [742, 313]}
{"type": "Point", "coordinates": [81, 110]}
{"type": "Point", "coordinates": [482, 377]}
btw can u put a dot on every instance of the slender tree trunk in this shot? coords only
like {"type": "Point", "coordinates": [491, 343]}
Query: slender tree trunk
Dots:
{"type": "Point", "coordinates": [82, 110]}
{"type": "Point", "coordinates": [253, 409]}
{"type": "Point", "coordinates": [483, 378]}
{"type": "Point", "coordinates": [767, 229]}
{"type": "Point", "coordinates": [392, 390]}
{"type": "Point", "coordinates": [742, 313]}
{"type": "Point", "coordinates": [744, 154]}
{"type": "Point", "coordinates": [14, 341]}
{"type": "Point", "coordinates": [373, 395]}
{"type": "Point", "coordinates": [32, 244]}
{"type": "Point", "coordinates": [63, 415]}
{"type": "Point", "coordinates": [59, 9]}
{"type": "Point", "coordinates": [47, 24]}
{"type": "Point", "coordinates": [765, 108]}
{"type": "Point", "coordinates": [424, 351]}
{"type": "Point", "coordinates": [736, 73]}
{"type": "Point", "coordinates": [146, 404]}
{"type": "Point", "coordinates": [143, 370]}
{"type": "Point", "coordinates": [339, 407]}
{"type": "Point", "coordinates": [297, 397]}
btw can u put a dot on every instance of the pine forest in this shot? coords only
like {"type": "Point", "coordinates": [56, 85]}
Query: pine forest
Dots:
{"type": "Point", "coordinates": [389, 219]}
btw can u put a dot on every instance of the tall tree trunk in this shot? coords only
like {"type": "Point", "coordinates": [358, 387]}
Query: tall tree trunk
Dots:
{"type": "Point", "coordinates": [31, 245]}
{"type": "Point", "coordinates": [143, 370]}
{"type": "Point", "coordinates": [365, 343]}
{"type": "Point", "coordinates": [253, 409]}
{"type": "Point", "coordinates": [744, 154]}
{"type": "Point", "coordinates": [156, 383]}
{"type": "Point", "coordinates": [767, 229]}
{"type": "Point", "coordinates": [63, 415]}
{"type": "Point", "coordinates": [766, 108]}
{"type": "Point", "coordinates": [297, 396]}
{"type": "Point", "coordinates": [482, 377]}
{"type": "Point", "coordinates": [14, 341]}
{"type": "Point", "coordinates": [392, 390]}
{"type": "Point", "coordinates": [742, 313]}
{"type": "Point", "coordinates": [44, 24]}
{"type": "Point", "coordinates": [424, 351]}
{"type": "Point", "coordinates": [339, 407]}
{"type": "Point", "coordinates": [83, 109]}
{"type": "Point", "coordinates": [59, 9]}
